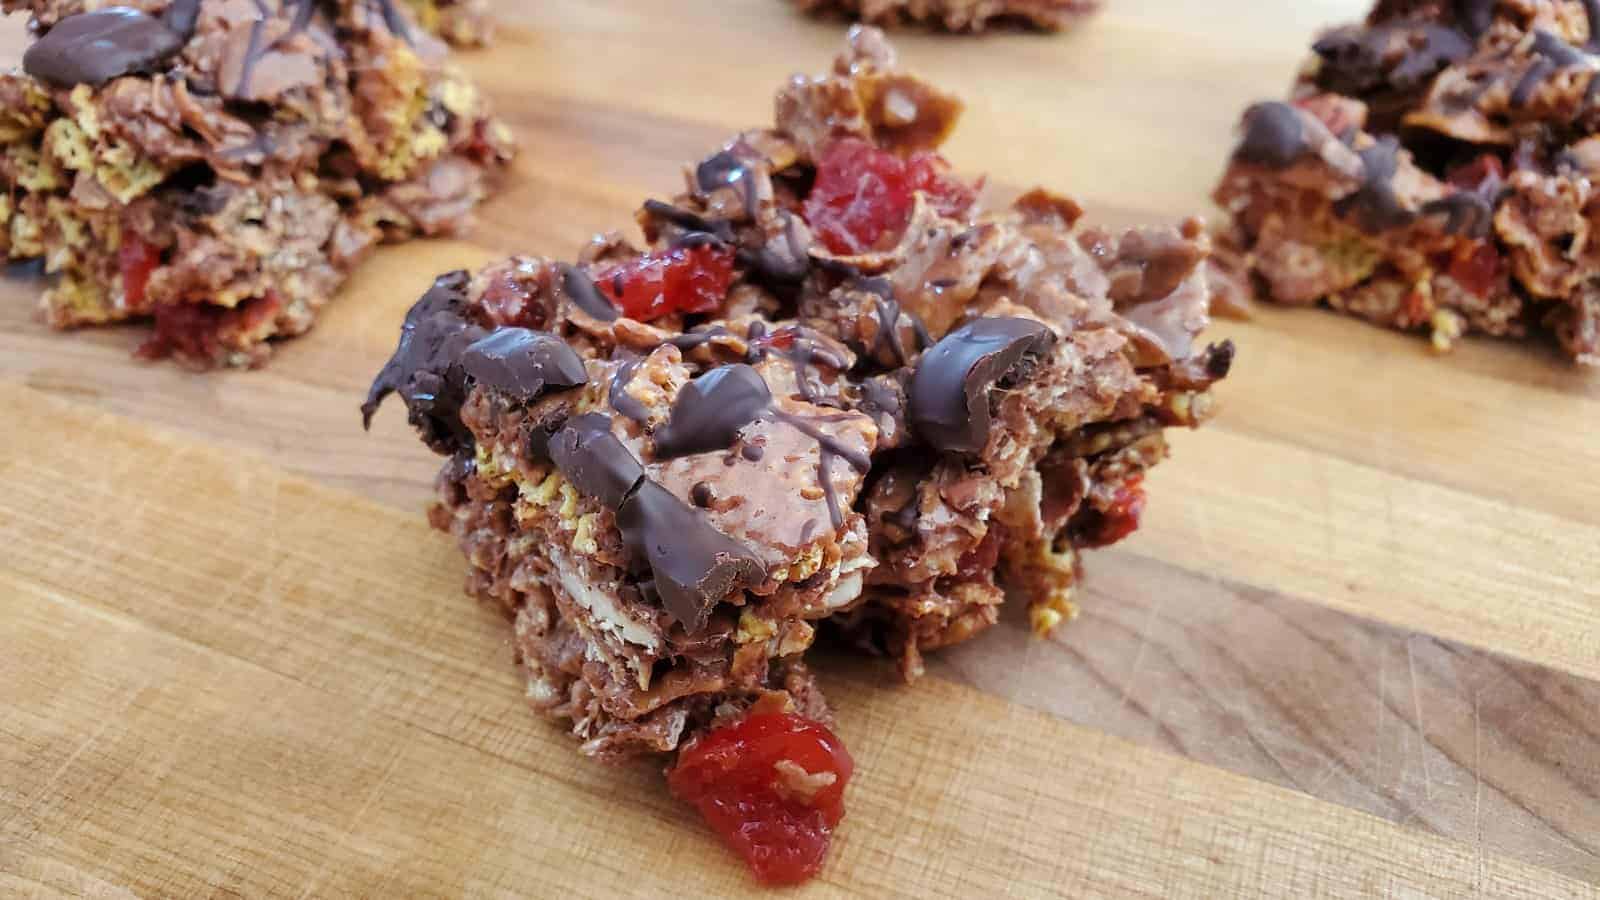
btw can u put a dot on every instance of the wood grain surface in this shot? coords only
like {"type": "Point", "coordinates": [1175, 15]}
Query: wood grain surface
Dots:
{"type": "Point", "coordinates": [1353, 651]}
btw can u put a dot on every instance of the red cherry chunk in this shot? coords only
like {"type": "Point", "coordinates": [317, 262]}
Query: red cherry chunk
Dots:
{"type": "Point", "coordinates": [772, 786]}
{"type": "Point", "coordinates": [136, 259]}
{"type": "Point", "coordinates": [680, 280]}
{"type": "Point", "coordinates": [861, 199]}
{"type": "Point", "coordinates": [1121, 518]}
{"type": "Point", "coordinates": [1476, 267]}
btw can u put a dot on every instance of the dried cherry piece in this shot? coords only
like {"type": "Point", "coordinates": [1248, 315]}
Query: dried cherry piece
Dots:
{"type": "Point", "coordinates": [772, 786]}
{"type": "Point", "coordinates": [862, 196]}
{"type": "Point", "coordinates": [136, 259]}
{"type": "Point", "coordinates": [682, 279]}
{"type": "Point", "coordinates": [1120, 518]}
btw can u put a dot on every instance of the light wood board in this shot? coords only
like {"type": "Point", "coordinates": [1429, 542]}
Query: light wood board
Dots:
{"type": "Point", "coordinates": [1352, 651]}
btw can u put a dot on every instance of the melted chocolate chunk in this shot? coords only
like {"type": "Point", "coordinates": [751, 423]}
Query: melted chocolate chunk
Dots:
{"type": "Point", "coordinates": [692, 564]}
{"type": "Point", "coordinates": [523, 363]}
{"type": "Point", "coordinates": [1274, 136]}
{"type": "Point", "coordinates": [595, 461]}
{"type": "Point", "coordinates": [182, 15]}
{"type": "Point", "coordinates": [1404, 56]}
{"type": "Point", "coordinates": [711, 410]}
{"type": "Point", "coordinates": [950, 391]}
{"type": "Point", "coordinates": [432, 338]}
{"type": "Point", "coordinates": [1375, 207]}
{"type": "Point", "coordinates": [719, 170]}
{"type": "Point", "coordinates": [95, 47]}
{"type": "Point", "coordinates": [580, 287]}
{"type": "Point", "coordinates": [441, 355]}
{"type": "Point", "coordinates": [725, 169]}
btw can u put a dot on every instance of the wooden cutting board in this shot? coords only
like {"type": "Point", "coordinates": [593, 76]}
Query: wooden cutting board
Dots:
{"type": "Point", "coordinates": [1353, 651]}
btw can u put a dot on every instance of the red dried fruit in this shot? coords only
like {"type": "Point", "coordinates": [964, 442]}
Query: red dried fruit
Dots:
{"type": "Point", "coordinates": [1476, 269]}
{"type": "Point", "coordinates": [862, 196]}
{"type": "Point", "coordinates": [684, 279]}
{"type": "Point", "coordinates": [194, 331]}
{"type": "Point", "coordinates": [507, 302]}
{"type": "Point", "coordinates": [772, 786]}
{"type": "Point", "coordinates": [1121, 518]}
{"type": "Point", "coordinates": [136, 259]}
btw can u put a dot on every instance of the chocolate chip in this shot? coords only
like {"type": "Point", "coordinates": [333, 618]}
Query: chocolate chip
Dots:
{"type": "Point", "coordinates": [1219, 359]}
{"type": "Point", "coordinates": [701, 495]}
{"type": "Point", "coordinates": [95, 47]}
{"type": "Point", "coordinates": [719, 170]}
{"type": "Point", "coordinates": [1274, 136]}
{"type": "Point", "coordinates": [692, 564]}
{"type": "Point", "coordinates": [711, 410]}
{"type": "Point", "coordinates": [441, 355]}
{"type": "Point", "coordinates": [949, 396]}
{"type": "Point", "coordinates": [596, 463]}
{"type": "Point", "coordinates": [580, 287]}
{"type": "Point", "coordinates": [522, 363]}
{"type": "Point", "coordinates": [431, 339]}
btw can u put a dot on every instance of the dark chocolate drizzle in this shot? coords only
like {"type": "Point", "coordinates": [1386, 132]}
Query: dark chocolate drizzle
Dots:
{"type": "Point", "coordinates": [252, 55]}
{"type": "Point", "coordinates": [789, 264]}
{"type": "Point", "coordinates": [725, 169]}
{"type": "Point", "coordinates": [393, 19]}
{"type": "Point", "coordinates": [950, 390]}
{"type": "Point", "coordinates": [1274, 136]}
{"type": "Point", "coordinates": [1466, 213]}
{"type": "Point", "coordinates": [95, 47]}
{"type": "Point", "coordinates": [887, 310]}
{"type": "Point", "coordinates": [688, 220]}
{"type": "Point", "coordinates": [580, 287]}
{"type": "Point", "coordinates": [1591, 11]}
{"type": "Point", "coordinates": [715, 407]}
{"type": "Point", "coordinates": [621, 400]}
{"type": "Point", "coordinates": [1360, 59]}
{"type": "Point", "coordinates": [1375, 207]}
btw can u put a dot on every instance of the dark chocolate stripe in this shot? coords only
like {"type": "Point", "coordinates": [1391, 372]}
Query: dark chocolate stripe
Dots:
{"type": "Point", "coordinates": [620, 399]}
{"type": "Point", "coordinates": [580, 288]}
{"type": "Point", "coordinates": [252, 54]}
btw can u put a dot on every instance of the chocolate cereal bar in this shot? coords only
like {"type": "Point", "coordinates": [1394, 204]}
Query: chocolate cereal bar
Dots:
{"type": "Point", "coordinates": [828, 392]}
{"type": "Point", "coordinates": [1431, 172]}
{"type": "Point", "coordinates": [959, 15]}
{"type": "Point", "coordinates": [218, 168]}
